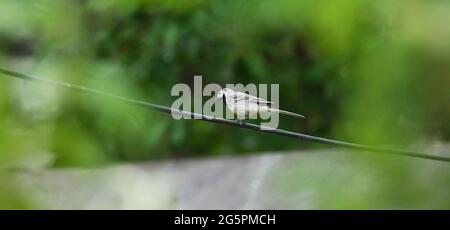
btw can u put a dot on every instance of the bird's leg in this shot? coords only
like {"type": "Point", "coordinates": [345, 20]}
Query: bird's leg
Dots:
{"type": "Point", "coordinates": [242, 122]}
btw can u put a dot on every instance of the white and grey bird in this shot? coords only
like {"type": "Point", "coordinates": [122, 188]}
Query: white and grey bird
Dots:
{"type": "Point", "coordinates": [245, 105]}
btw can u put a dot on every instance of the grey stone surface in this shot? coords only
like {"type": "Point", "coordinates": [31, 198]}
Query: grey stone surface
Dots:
{"type": "Point", "coordinates": [278, 180]}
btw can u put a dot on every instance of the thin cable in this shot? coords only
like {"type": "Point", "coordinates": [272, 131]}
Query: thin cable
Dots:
{"type": "Point", "coordinates": [227, 122]}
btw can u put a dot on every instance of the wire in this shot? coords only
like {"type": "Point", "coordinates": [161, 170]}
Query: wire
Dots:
{"type": "Point", "coordinates": [226, 121]}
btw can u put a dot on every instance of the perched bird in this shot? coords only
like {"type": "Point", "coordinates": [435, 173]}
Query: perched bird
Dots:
{"type": "Point", "coordinates": [245, 105]}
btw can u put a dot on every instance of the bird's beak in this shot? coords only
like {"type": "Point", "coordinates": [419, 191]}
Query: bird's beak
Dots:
{"type": "Point", "coordinates": [218, 96]}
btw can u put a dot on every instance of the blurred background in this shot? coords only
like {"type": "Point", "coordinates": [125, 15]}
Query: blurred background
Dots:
{"type": "Point", "coordinates": [371, 72]}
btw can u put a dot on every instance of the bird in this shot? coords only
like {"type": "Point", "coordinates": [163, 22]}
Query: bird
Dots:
{"type": "Point", "coordinates": [246, 105]}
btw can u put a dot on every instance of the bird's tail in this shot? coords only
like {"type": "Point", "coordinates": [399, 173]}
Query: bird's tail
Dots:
{"type": "Point", "coordinates": [286, 113]}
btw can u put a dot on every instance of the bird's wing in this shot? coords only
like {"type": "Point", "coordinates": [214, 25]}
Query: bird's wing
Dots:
{"type": "Point", "coordinates": [239, 96]}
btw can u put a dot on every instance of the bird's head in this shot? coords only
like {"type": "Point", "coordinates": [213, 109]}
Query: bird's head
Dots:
{"type": "Point", "coordinates": [220, 94]}
{"type": "Point", "coordinates": [224, 92]}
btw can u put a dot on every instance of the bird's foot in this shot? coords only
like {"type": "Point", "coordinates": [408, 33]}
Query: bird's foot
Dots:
{"type": "Point", "coordinates": [241, 122]}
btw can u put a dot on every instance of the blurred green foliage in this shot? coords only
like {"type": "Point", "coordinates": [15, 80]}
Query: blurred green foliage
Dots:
{"type": "Point", "coordinates": [374, 72]}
